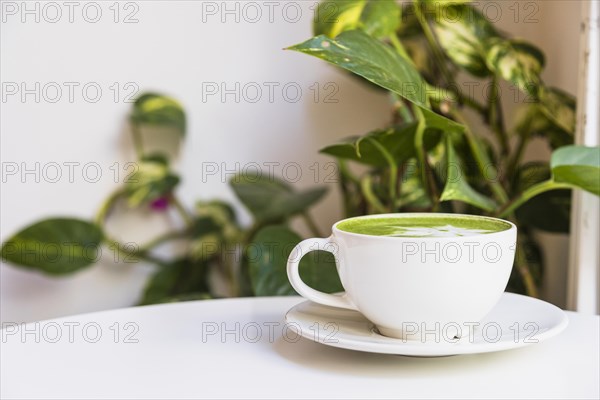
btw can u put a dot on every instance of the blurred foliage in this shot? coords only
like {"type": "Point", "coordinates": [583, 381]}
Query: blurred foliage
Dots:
{"type": "Point", "coordinates": [429, 159]}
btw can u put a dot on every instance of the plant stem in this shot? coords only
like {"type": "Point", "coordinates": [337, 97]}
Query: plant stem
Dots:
{"type": "Point", "coordinates": [439, 95]}
{"type": "Point", "coordinates": [483, 164]}
{"type": "Point", "coordinates": [234, 285]}
{"type": "Point", "coordinates": [400, 105]}
{"type": "Point", "coordinates": [310, 222]}
{"type": "Point", "coordinates": [441, 62]}
{"type": "Point", "coordinates": [107, 206]}
{"type": "Point", "coordinates": [138, 142]}
{"type": "Point", "coordinates": [393, 178]}
{"type": "Point", "coordinates": [101, 216]}
{"type": "Point", "coordinates": [400, 48]}
{"type": "Point", "coordinates": [185, 215]}
{"type": "Point", "coordinates": [433, 44]}
{"type": "Point", "coordinates": [344, 171]}
{"type": "Point", "coordinates": [495, 118]}
{"type": "Point", "coordinates": [228, 270]}
{"type": "Point", "coordinates": [345, 180]}
{"type": "Point", "coordinates": [162, 239]}
{"type": "Point", "coordinates": [482, 160]}
{"type": "Point", "coordinates": [426, 178]}
{"type": "Point", "coordinates": [393, 187]}
{"type": "Point", "coordinates": [513, 163]}
{"type": "Point", "coordinates": [133, 253]}
{"type": "Point", "coordinates": [468, 101]}
{"type": "Point", "coordinates": [373, 201]}
{"type": "Point", "coordinates": [530, 193]}
{"type": "Point", "coordinates": [525, 271]}
{"type": "Point", "coordinates": [402, 110]}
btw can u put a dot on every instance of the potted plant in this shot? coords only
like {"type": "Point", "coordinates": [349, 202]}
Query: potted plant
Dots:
{"type": "Point", "coordinates": [431, 158]}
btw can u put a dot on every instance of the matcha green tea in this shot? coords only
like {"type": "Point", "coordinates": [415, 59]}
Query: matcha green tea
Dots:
{"type": "Point", "coordinates": [423, 226]}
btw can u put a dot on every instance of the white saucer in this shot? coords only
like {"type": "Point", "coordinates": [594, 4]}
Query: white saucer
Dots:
{"type": "Point", "coordinates": [516, 321]}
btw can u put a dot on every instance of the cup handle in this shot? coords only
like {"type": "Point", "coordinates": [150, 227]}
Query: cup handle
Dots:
{"type": "Point", "coordinates": [301, 249]}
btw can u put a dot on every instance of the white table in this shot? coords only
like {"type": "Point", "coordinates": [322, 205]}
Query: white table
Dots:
{"type": "Point", "coordinates": [178, 351]}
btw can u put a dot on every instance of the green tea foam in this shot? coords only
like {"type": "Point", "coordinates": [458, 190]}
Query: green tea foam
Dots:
{"type": "Point", "coordinates": [423, 226]}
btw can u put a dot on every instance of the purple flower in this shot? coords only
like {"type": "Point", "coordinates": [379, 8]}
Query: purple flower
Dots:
{"type": "Point", "coordinates": [160, 204]}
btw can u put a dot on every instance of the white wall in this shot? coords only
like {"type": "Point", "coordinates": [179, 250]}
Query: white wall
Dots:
{"type": "Point", "coordinates": [175, 47]}
{"type": "Point", "coordinates": [170, 49]}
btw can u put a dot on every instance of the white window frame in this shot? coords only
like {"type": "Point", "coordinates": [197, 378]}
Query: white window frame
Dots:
{"type": "Point", "coordinates": [583, 290]}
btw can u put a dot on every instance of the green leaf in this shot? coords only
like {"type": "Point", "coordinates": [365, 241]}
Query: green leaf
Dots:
{"type": "Point", "coordinates": [359, 53]}
{"type": "Point", "coordinates": [398, 141]}
{"type": "Point", "coordinates": [530, 174]}
{"type": "Point", "coordinates": [549, 211]}
{"type": "Point", "coordinates": [150, 181]}
{"type": "Point", "coordinates": [421, 57]}
{"type": "Point", "coordinates": [572, 167]}
{"type": "Point", "coordinates": [536, 122]}
{"type": "Point", "coordinates": [159, 285]}
{"type": "Point", "coordinates": [578, 166]}
{"type": "Point", "coordinates": [268, 254]}
{"type": "Point", "coordinates": [159, 110]}
{"type": "Point", "coordinates": [457, 187]}
{"type": "Point", "coordinates": [218, 209]}
{"type": "Point", "coordinates": [365, 56]}
{"type": "Point", "coordinates": [207, 239]}
{"type": "Point", "coordinates": [437, 121]}
{"type": "Point", "coordinates": [270, 199]}
{"type": "Point", "coordinates": [222, 216]}
{"type": "Point", "coordinates": [378, 18]}
{"type": "Point", "coordinates": [466, 154]}
{"type": "Point", "coordinates": [518, 62]}
{"type": "Point", "coordinates": [410, 26]}
{"type": "Point", "coordinates": [462, 32]}
{"type": "Point", "coordinates": [559, 107]}
{"type": "Point", "coordinates": [214, 227]}
{"type": "Point", "coordinates": [333, 17]}
{"type": "Point", "coordinates": [181, 278]}
{"type": "Point", "coordinates": [413, 194]}
{"type": "Point", "coordinates": [56, 246]}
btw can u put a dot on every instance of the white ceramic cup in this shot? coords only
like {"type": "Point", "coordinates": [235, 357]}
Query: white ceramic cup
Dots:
{"type": "Point", "coordinates": [414, 288]}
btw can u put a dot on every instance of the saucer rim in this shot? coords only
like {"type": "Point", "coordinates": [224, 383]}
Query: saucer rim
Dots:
{"type": "Point", "coordinates": [427, 349]}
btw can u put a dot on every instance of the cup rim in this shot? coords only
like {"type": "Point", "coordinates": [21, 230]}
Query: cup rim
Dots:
{"type": "Point", "coordinates": [512, 228]}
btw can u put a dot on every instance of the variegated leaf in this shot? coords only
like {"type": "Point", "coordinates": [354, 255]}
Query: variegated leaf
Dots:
{"type": "Point", "coordinates": [518, 62]}
{"type": "Point", "coordinates": [462, 32]}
